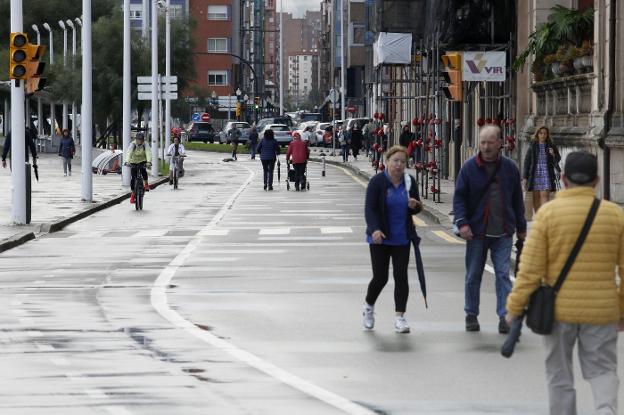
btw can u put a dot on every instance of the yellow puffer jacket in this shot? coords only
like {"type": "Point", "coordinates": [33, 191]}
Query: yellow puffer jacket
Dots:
{"type": "Point", "coordinates": [589, 294]}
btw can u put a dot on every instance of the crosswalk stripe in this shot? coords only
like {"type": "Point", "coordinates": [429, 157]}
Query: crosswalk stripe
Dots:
{"type": "Point", "coordinates": [215, 232]}
{"type": "Point", "coordinates": [336, 229]}
{"type": "Point", "coordinates": [151, 233]}
{"type": "Point", "coordinates": [274, 231]}
{"type": "Point", "coordinates": [448, 238]}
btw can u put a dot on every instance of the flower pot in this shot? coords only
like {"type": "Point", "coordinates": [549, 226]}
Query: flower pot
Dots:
{"type": "Point", "coordinates": [565, 68]}
{"type": "Point", "coordinates": [588, 61]}
{"type": "Point", "coordinates": [555, 69]}
{"type": "Point", "coordinates": [578, 65]}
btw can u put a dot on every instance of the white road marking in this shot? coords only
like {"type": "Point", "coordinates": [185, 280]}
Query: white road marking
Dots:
{"type": "Point", "coordinates": [160, 304]}
{"type": "Point", "coordinates": [215, 232]}
{"type": "Point", "coordinates": [34, 333]}
{"type": "Point", "coordinates": [274, 231]}
{"type": "Point", "coordinates": [60, 361]}
{"type": "Point", "coordinates": [96, 393]}
{"type": "Point", "coordinates": [39, 282]}
{"type": "Point", "coordinates": [16, 303]}
{"type": "Point", "coordinates": [246, 251]}
{"type": "Point", "coordinates": [311, 211]}
{"type": "Point", "coordinates": [45, 347]}
{"type": "Point", "coordinates": [336, 229]}
{"type": "Point", "coordinates": [151, 233]}
{"type": "Point", "coordinates": [300, 238]}
{"type": "Point", "coordinates": [118, 410]}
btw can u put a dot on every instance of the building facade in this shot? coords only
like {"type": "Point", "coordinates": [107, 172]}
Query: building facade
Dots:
{"type": "Point", "coordinates": [302, 73]}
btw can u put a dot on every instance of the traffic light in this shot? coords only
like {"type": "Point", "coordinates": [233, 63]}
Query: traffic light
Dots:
{"type": "Point", "coordinates": [18, 55]}
{"type": "Point", "coordinates": [34, 68]}
{"type": "Point", "coordinates": [453, 89]}
{"type": "Point", "coordinates": [238, 109]}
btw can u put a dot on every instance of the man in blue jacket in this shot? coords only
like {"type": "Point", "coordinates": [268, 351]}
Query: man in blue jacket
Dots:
{"type": "Point", "coordinates": [489, 209]}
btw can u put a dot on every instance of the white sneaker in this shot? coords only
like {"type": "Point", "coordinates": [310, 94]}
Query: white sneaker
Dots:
{"type": "Point", "coordinates": [400, 325]}
{"type": "Point", "coordinates": [368, 311]}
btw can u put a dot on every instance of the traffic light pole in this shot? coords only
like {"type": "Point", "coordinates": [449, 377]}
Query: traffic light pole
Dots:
{"type": "Point", "coordinates": [18, 150]}
{"type": "Point", "coordinates": [86, 127]}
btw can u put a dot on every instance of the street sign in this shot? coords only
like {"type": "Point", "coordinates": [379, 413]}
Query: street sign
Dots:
{"type": "Point", "coordinates": [351, 109]}
{"type": "Point", "coordinates": [163, 88]}
{"type": "Point", "coordinates": [148, 79]}
{"type": "Point", "coordinates": [196, 116]}
{"type": "Point", "coordinates": [205, 116]}
{"type": "Point", "coordinates": [333, 96]}
{"type": "Point", "coordinates": [147, 96]}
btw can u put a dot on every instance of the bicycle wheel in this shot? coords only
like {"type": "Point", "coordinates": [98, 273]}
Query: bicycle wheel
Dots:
{"type": "Point", "coordinates": [137, 193]}
{"type": "Point", "coordinates": [139, 200]}
{"type": "Point", "coordinates": [175, 178]}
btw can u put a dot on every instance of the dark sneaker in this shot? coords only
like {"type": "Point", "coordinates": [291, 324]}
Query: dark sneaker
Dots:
{"type": "Point", "coordinates": [503, 327]}
{"type": "Point", "coordinates": [472, 324]}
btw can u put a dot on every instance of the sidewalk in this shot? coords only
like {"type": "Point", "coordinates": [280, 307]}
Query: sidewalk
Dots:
{"type": "Point", "coordinates": [437, 212]}
{"type": "Point", "coordinates": [56, 200]}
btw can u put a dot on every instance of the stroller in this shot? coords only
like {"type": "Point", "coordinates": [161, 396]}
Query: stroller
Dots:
{"type": "Point", "coordinates": [291, 176]}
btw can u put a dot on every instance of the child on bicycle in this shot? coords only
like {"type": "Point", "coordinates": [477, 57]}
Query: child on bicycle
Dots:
{"type": "Point", "coordinates": [138, 156]}
{"type": "Point", "coordinates": [176, 149]}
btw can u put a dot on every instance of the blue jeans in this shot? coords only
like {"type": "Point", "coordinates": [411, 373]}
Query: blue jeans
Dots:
{"type": "Point", "coordinates": [476, 255]}
{"type": "Point", "coordinates": [345, 152]}
{"type": "Point", "coordinates": [252, 149]}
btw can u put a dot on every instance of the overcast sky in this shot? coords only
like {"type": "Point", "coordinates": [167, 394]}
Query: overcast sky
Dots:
{"type": "Point", "coordinates": [299, 7]}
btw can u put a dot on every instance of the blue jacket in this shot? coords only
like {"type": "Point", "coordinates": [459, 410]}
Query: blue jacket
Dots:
{"type": "Point", "coordinates": [268, 149]}
{"type": "Point", "coordinates": [66, 147]}
{"type": "Point", "coordinates": [375, 207]}
{"type": "Point", "coordinates": [471, 203]}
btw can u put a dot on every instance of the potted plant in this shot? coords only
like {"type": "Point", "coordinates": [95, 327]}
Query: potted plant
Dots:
{"type": "Point", "coordinates": [586, 54]}
{"type": "Point", "coordinates": [551, 62]}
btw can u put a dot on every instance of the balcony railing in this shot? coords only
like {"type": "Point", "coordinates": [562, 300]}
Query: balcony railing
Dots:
{"type": "Point", "coordinates": [565, 101]}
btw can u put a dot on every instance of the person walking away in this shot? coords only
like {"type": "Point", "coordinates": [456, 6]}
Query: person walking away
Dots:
{"type": "Point", "coordinates": [253, 142]}
{"type": "Point", "coordinates": [235, 135]}
{"type": "Point", "coordinates": [488, 208]}
{"type": "Point", "coordinates": [268, 149]}
{"type": "Point", "coordinates": [67, 149]}
{"type": "Point", "coordinates": [344, 144]}
{"type": "Point", "coordinates": [589, 307]}
{"type": "Point", "coordinates": [298, 154]}
{"type": "Point", "coordinates": [541, 168]}
{"type": "Point", "coordinates": [367, 133]}
{"type": "Point", "coordinates": [138, 156]}
{"type": "Point", "coordinates": [356, 140]}
{"type": "Point", "coordinates": [406, 136]}
{"type": "Point", "coordinates": [29, 144]}
{"type": "Point", "coordinates": [389, 208]}
{"type": "Point", "coordinates": [176, 149]}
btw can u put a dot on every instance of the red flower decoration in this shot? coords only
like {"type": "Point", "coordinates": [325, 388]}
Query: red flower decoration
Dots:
{"type": "Point", "coordinates": [376, 116]}
{"type": "Point", "coordinates": [438, 121]}
{"type": "Point", "coordinates": [382, 116]}
{"type": "Point", "coordinates": [382, 167]}
{"type": "Point", "coordinates": [480, 122]}
{"type": "Point", "coordinates": [488, 121]}
{"type": "Point", "coordinates": [496, 121]}
{"type": "Point", "coordinates": [415, 121]}
{"type": "Point", "coordinates": [419, 143]}
{"type": "Point", "coordinates": [434, 190]}
{"type": "Point", "coordinates": [375, 146]}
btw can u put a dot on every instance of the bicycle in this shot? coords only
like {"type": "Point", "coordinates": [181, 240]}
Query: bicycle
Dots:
{"type": "Point", "coordinates": [174, 167]}
{"type": "Point", "coordinates": [139, 189]}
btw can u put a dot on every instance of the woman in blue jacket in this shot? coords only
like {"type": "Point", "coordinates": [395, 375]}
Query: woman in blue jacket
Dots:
{"type": "Point", "coordinates": [268, 149]}
{"type": "Point", "coordinates": [67, 151]}
{"type": "Point", "coordinates": [391, 200]}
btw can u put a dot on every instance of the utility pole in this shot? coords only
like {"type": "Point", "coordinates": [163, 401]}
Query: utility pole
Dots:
{"type": "Point", "coordinates": [167, 75]}
{"type": "Point", "coordinates": [126, 131]}
{"type": "Point", "coordinates": [155, 89]}
{"type": "Point", "coordinates": [343, 88]}
{"type": "Point", "coordinates": [18, 149]}
{"type": "Point", "coordinates": [281, 52]}
{"type": "Point", "coordinates": [86, 133]}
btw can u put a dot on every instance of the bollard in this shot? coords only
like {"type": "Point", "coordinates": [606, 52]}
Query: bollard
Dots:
{"type": "Point", "coordinates": [323, 174]}
{"type": "Point", "coordinates": [28, 192]}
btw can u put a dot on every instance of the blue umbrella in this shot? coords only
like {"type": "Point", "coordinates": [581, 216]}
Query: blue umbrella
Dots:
{"type": "Point", "coordinates": [420, 269]}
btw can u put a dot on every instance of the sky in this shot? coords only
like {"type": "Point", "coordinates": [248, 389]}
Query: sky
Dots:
{"type": "Point", "coordinates": [299, 7]}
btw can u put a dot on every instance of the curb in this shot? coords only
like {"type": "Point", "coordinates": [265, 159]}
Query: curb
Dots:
{"type": "Point", "coordinates": [428, 211]}
{"type": "Point", "coordinates": [52, 227]}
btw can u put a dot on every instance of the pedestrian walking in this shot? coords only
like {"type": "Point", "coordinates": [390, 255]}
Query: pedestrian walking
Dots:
{"type": "Point", "coordinates": [29, 143]}
{"type": "Point", "coordinates": [298, 154]}
{"type": "Point", "coordinates": [268, 149]}
{"type": "Point", "coordinates": [391, 200]}
{"type": "Point", "coordinates": [344, 143]}
{"type": "Point", "coordinates": [406, 136]}
{"type": "Point", "coordinates": [235, 135]}
{"type": "Point", "coordinates": [488, 210]}
{"type": "Point", "coordinates": [367, 132]}
{"type": "Point", "coordinates": [589, 306]}
{"type": "Point", "coordinates": [67, 149]}
{"type": "Point", "coordinates": [541, 168]}
{"type": "Point", "coordinates": [253, 142]}
{"type": "Point", "coordinates": [356, 140]}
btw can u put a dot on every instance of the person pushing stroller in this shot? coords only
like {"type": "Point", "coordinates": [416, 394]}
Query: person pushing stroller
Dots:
{"type": "Point", "coordinates": [298, 154]}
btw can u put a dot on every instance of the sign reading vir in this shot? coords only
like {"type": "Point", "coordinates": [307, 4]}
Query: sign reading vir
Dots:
{"type": "Point", "coordinates": [485, 66]}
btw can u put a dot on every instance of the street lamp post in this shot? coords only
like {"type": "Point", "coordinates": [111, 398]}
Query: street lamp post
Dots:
{"type": "Point", "coordinates": [74, 117]}
{"type": "Point", "coordinates": [167, 74]}
{"type": "Point", "coordinates": [127, 109]}
{"type": "Point", "coordinates": [155, 88]}
{"type": "Point", "coordinates": [62, 25]}
{"type": "Point", "coordinates": [47, 27]}
{"type": "Point", "coordinates": [245, 100]}
{"type": "Point", "coordinates": [238, 101]}
{"type": "Point", "coordinates": [86, 134]}
{"type": "Point", "coordinates": [214, 103]}
{"type": "Point", "coordinates": [39, 103]}
{"type": "Point", "coordinates": [79, 23]}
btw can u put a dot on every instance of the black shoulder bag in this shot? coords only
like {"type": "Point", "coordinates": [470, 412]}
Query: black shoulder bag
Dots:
{"type": "Point", "coordinates": [540, 314]}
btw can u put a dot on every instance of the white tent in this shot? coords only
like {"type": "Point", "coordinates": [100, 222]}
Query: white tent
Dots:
{"type": "Point", "coordinates": [392, 48]}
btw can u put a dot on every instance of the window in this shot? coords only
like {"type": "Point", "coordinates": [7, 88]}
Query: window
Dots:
{"type": "Point", "coordinates": [217, 78]}
{"type": "Point", "coordinates": [176, 11]}
{"type": "Point", "coordinates": [218, 13]}
{"type": "Point", "coordinates": [218, 44]}
{"type": "Point", "coordinates": [136, 14]}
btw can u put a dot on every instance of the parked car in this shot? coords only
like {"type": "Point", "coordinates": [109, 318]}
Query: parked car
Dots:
{"type": "Point", "coordinates": [307, 131]}
{"type": "Point", "coordinates": [283, 135]}
{"type": "Point", "coordinates": [244, 127]}
{"type": "Point", "coordinates": [361, 122]}
{"type": "Point", "coordinates": [320, 130]}
{"type": "Point", "coordinates": [201, 131]}
{"type": "Point", "coordinates": [285, 120]}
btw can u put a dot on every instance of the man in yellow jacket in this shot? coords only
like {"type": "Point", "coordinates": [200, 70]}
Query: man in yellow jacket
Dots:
{"type": "Point", "coordinates": [589, 308]}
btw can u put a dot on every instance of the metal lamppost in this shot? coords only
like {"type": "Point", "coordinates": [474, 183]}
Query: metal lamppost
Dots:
{"type": "Point", "coordinates": [62, 25]}
{"type": "Point", "coordinates": [213, 103]}
{"type": "Point", "coordinates": [245, 101]}
{"type": "Point", "coordinates": [74, 118]}
{"type": "Point", "coordinates": [52, 104]}
{"type": "Point", "coordinates": [39, 103]}
{"type": "Point", "coordinates": [238, 98]}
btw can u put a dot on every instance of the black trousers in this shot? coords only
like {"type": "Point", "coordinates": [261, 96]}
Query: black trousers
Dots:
{"type": "Point", "coordinates": [380, 260]}
{"type": "Point", "coordinates": [268, 166]}
{"type": "Point", "coordinates": [134, 171]}
{"type": "Point", "coordinates": [300, 169]}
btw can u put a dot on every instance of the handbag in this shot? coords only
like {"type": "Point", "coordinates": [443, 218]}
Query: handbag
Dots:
{"type": "Point", "coordinates": [540, 313]}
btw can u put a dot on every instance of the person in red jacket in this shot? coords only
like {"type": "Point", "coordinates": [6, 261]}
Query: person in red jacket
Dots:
{"type": "Point", "coordinates": [298, 153]}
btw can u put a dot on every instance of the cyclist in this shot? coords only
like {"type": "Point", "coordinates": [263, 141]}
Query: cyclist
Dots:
{"type": "Point", "coordinates": [138, 156]}
{"type": "Point", "coordinates": [176, 149]}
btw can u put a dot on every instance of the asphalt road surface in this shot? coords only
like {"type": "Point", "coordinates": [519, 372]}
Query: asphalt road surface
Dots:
{"type": "Point", "coordinates": [222, 298]}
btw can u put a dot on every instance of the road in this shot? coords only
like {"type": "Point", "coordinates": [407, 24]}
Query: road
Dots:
{"type": "Point", "coordinates": [223, 298]}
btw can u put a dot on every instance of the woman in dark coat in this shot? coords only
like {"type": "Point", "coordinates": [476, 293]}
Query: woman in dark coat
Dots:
{"type": "Point", "coordinates": [268, 149]}
{"type": "Point", "coordinates": [391, 201]}
{"type": "Point", "coordinates": [67, 150]}
{"type": "Point", "coordinates": [356, 140]}
{"type": "Point", "coordinates": [541, 167]}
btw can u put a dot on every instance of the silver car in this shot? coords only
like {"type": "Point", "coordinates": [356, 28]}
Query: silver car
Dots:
{"type": "Point", "coordinates": [245, 128]}
{"type": "Point", "coordinates": [282, 133]}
